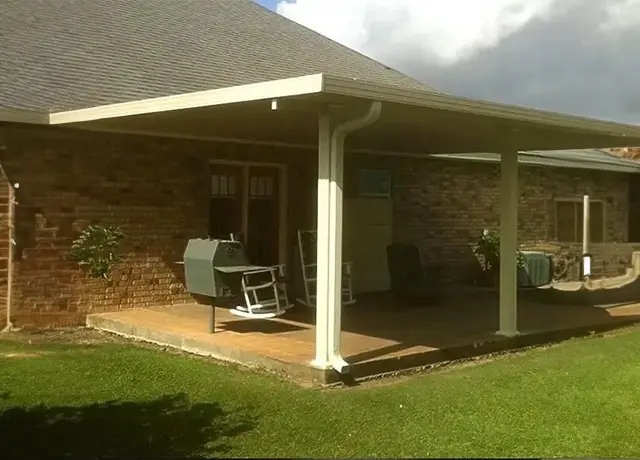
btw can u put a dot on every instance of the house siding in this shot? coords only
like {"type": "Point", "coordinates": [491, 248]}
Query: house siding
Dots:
{"type": "Point", "coordinates": [157, 190]}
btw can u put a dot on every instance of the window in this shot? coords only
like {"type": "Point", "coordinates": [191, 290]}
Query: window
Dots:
{"type": "Point", "coordinates": [374, 183]}
{"type": "Point", "coordinates": [261, 187]}
{"type": "Point", "coordinates": [569, 221]}
{"type": "Point", "coordinates": [223, 185]}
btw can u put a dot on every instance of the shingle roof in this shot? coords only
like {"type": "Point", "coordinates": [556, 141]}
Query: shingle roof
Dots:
{"type": "Point", "coordinates": [595, 159]}
{"type": "Point", "coordinates": [69, 54]}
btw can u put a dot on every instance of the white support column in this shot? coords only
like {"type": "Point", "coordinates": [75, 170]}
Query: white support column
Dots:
{"type": "Point", "coordinates": [586, 227]}
{"type": "Point", "coordinates": [509, 197]}
{"type": "Point", "coordinates": [329, 236]}
{"type": "Point", "coordinates": [585, 266]}
{"type": "Point", "coordinates": [323, 359]}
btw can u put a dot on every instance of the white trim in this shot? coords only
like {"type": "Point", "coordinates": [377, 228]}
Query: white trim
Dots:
{"type": "Point", "coordinates": [577, 223]}
{"type": "Point", "coordinates": [283, 188]}
{"type": "Point", "coordinates": [440, 101]}
{"type": "Point", "coordinates": [274, 89]}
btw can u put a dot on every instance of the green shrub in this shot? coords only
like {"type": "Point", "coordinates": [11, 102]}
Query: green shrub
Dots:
{"type": "Point", "coordinates": [97, 249]}
{"type": "Point", "coordinates": [487, 248]}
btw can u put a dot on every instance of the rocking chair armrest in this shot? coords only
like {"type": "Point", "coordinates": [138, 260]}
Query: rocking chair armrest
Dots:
{"type": "Point", "coordinates": [257, 287]}
{"type": "Point", "coordinates": [246, 280]}
{"type": "Point", "coordinates": [259, 271]}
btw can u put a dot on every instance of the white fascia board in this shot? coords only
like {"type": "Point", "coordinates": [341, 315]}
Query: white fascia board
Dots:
{"type": "Point", "coordinates": [416, 98]}
{"type": "Point", "coordinates": [298, 86]}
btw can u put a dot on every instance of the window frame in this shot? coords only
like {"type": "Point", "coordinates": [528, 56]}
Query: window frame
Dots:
{"type": "Point", "coordinates": [579, 201]}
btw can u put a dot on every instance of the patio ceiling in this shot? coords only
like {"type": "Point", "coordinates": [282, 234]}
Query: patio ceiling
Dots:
{"type": "Point", "coordinates": [411, 122]}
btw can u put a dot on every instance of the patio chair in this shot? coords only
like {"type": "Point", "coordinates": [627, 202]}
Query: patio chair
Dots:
{"type": "Point", "coordinates": [411, 281]}
{"type": "Point", "coordinates": [307, 249]}
{"type": "Point", "coordinates": [264, 290]}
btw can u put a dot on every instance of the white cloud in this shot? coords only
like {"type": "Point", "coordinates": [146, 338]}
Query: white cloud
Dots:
{"type": "Point", "coordinates": [621, 16]}
{"type": "Point", "coordinates": [574, 56]}
{"type": "Point", "coordinates": [444, 31]}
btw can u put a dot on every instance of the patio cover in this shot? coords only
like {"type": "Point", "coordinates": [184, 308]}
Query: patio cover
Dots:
{"type": "Point", "coordinates": [412, 121]}
{"type": "Point", "coordinates": [311, 111]}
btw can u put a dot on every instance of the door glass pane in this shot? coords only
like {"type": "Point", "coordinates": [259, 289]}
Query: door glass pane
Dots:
{"type": "Point", "coordinates": [263, 225]}
{"type": "Point", "coordinates": [225, 209]}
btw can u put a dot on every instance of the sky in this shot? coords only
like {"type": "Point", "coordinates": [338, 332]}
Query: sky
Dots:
{"type": "Point", "coordinates": [573, 56]}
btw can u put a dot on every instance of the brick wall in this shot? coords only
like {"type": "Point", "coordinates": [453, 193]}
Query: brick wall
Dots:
{"type": "Point", "coordinates": [442, 205]}
{"type": "Point", "coordinates": [157, 190]}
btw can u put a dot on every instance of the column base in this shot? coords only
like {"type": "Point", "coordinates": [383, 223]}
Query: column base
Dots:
{"type": "Point", "coordinates": [337, 363]}
{"type": "Point", "coordinates": [507, 333]}
{"type": "Point", "coordinates": [321, 364]}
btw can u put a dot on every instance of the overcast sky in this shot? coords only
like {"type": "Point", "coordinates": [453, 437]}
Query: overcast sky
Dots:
{"type": "Point", "coordinates": [576, 56]}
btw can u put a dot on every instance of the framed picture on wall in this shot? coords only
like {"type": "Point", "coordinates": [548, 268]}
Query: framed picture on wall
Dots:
{"type": "Point", "coordinates": [374, 183]}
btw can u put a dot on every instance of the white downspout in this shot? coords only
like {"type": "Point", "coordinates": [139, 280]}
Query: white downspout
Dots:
{"type": "Point", "coordinates": [338, 137]}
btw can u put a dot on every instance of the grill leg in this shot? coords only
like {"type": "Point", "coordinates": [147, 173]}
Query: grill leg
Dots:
{"type": "Point", "coordinates": [212, 317]}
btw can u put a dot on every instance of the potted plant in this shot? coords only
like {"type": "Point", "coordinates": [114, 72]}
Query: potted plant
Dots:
{"type": "Point", "coordinates": [487, 250]}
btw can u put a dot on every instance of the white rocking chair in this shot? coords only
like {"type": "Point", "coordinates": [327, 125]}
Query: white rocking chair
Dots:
{"type": "Point", "coordinates": [307, 250]}
{"type": "Point", "coordinates": [264, 291]}
{"type": "Point", "coordinates": [265, 295]}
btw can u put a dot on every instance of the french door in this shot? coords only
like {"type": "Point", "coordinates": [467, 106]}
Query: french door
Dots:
{"type": "Point", "coordinates": [248, 201]}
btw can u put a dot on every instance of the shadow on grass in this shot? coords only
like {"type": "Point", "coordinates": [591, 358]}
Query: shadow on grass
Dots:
{"type": "Point", "coordinates": [166, 427]}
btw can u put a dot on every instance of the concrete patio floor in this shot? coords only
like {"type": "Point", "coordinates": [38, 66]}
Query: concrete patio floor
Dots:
{"type": "Point", "coordinates": [379, 335]}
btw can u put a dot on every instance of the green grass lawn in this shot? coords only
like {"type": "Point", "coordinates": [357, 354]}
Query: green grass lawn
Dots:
{"type": "Point", "coordinates": [581, 398]}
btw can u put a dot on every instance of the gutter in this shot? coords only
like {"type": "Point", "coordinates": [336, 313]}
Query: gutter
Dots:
{"type": "Point", "coordinates": [338, 137]}
{"type": "Point", "coordinates": [439, 101]}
